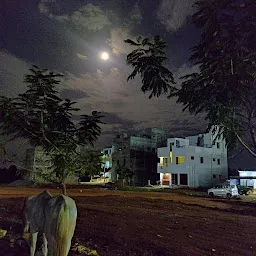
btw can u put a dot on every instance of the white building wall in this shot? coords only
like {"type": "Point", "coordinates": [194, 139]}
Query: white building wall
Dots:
{"type": "Point", "coordinates": [212, 171]}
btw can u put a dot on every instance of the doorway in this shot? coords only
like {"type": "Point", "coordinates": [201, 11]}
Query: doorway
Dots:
{"type": "Point", "coordinates": [184, 179]}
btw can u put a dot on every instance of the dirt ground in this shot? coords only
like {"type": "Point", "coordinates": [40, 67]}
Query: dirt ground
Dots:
{"type": "Point", "coordinates": [147, 223]}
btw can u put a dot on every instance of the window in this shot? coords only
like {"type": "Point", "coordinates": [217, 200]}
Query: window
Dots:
{"type": "Point", "coordinates": [218, 145]}
{"type": "Point", "coordinates": [106, 152]}
{"type": "Point", "coordinates": [214, 176]}
{"type": "Point", "coordinates": [180, 159]}
{"type": "Point", "coordinates": [165, 161]}
{"type": "Point", "coordinates": [218, 161]}
{"type": "Point", "coordinates": [158, 159]}
{"type": "Point", "coordinates": [201, 160]}
{"type": "Point", "coordinates": [213, 159]}
{"type": "Point", "coordinates": [192, 157]}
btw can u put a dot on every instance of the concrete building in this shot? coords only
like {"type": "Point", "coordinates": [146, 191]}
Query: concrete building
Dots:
{"type": "Point", "coordinates": [37, 163]}
{"type": "Point", "coordinates": [107, 164]}
{"type": "Point", "coordinates": [193, 161]}
{"type": "Point", "coordinates": [136, 156]}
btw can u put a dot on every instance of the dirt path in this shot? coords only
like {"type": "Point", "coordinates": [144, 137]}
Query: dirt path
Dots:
{"type": "Point", "coordinates": [142, 223]}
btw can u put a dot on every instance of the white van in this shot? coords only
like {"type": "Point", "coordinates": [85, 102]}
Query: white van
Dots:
{"type": "Point", "coordinates": [224, 190]}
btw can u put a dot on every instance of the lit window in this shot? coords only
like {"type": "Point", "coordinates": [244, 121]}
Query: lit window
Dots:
{"type": "Point", "coordinates": [180, 159]}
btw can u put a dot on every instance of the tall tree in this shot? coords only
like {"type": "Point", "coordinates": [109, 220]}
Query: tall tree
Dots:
{"type": "Point", "coordinates": [91, 162]}
{"type": "Point", "coordinates": [224, 88]}
{"type": "Point", "coordinates": [40, 116]}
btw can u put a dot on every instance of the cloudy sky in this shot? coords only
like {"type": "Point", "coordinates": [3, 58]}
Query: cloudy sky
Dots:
{"type": "Point", "coordinates": [68, 35]}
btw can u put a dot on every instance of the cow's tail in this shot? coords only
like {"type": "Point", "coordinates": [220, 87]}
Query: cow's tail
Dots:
{"type": "Point", "coordinates": [65, 228]}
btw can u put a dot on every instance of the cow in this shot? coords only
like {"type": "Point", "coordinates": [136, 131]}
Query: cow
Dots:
{"type": "Point", "coordinates": [53, 217]}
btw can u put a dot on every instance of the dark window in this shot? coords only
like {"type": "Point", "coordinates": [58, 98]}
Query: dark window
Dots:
{"type": "Point", "coordinates": [214, 176]}
{"type": "Point", "coordinates": [213, 159]}
{"type": "Point", "coordinates": [218, 161]}
{"type": "Point", "coordinates": [158, 159]}
{"type": "Point", "coordinates": [183, 179]}
{"type": "Point", "coordinates": [192, 157]}
{"type": "Point", "coordinates": [218, 145]}
{"type": "Point", "coordinates": [201, 160]}
{"type": "Point", "coordinates": [177, 160]}
{"type": "Point", "coordinates": [106, 152]}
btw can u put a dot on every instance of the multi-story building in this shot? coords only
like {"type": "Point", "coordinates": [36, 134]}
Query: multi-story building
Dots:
{"type": "Point", "coordinates": [107, 164]}
{"type": "Point", "coordinates": [136, 155]}
{"type": "Point", "coordinates": [194, 161]}
{"type": "Point", "coordinates": [39, 163]}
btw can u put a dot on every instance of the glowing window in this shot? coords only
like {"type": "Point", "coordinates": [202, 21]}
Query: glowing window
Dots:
{"type": "Point", "coordinates": [180, 159]}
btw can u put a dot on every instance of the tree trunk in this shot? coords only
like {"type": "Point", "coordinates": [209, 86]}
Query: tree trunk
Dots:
{"type": "Point", "coordinates": [64, 188]}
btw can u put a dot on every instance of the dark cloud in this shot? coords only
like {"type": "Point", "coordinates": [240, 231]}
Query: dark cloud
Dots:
{"type": "Point", "coordinates": [73, 94]}
{"type": "Point", "coordinates": [111, 118]}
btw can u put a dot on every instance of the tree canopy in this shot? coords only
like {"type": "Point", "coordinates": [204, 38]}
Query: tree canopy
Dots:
{"type": "Point", "coordinates": [41, 117]}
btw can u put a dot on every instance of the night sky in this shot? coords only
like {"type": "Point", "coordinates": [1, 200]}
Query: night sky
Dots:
{"type": "Point", "coordinates": [68, 35]}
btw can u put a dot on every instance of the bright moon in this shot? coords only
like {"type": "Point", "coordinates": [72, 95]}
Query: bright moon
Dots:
{"type": "Point", "coordinates": [104, 56]}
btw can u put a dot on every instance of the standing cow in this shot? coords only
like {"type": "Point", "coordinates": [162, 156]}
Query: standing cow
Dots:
{"type": "Point", "coordinates": [54, 218]}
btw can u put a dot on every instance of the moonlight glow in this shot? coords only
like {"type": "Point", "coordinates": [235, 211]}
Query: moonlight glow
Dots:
{"type": "Point", "coordinates": [104, 56]}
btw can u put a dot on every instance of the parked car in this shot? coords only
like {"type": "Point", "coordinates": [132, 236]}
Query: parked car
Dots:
{"type": "Point", "coordinates": [224, 191]}
{"type": "Point", "coordinates": [84, 179]}
{"type": "Point", "coordinates": [242, 190]}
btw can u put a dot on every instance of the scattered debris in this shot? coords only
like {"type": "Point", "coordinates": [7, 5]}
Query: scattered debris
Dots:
{"type": "Point", "coordinates": [81, 249]}
{"type": "Point", "coordinates": [214, 250]}
{"type": "Point", "coordinates": [159, 235]}
{"type": "Point", "coordinates": [3, 232]}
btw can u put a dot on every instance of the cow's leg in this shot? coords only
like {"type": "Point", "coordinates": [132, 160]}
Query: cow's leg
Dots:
{"type": "Point", "coordinates": [33, 243]}
{"type": "Point", "coordinates": [45, 245]}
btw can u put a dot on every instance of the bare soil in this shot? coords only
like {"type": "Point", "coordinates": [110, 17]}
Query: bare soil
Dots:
{"type": "Point", "coordinates": [146, 223]}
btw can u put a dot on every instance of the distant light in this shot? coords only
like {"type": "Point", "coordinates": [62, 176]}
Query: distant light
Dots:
{"type": "Point", "coordinates": [104, 56]}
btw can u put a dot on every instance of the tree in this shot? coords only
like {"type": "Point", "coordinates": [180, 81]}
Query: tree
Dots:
{"type": "Point", "coordinates": [91, 162]}
{"type": "Point", "coordinates": [40, 116]}
{"type": "Point", "coordinates": [148, 61]}
{"type": "Point", "coordinates": [224, 88]}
